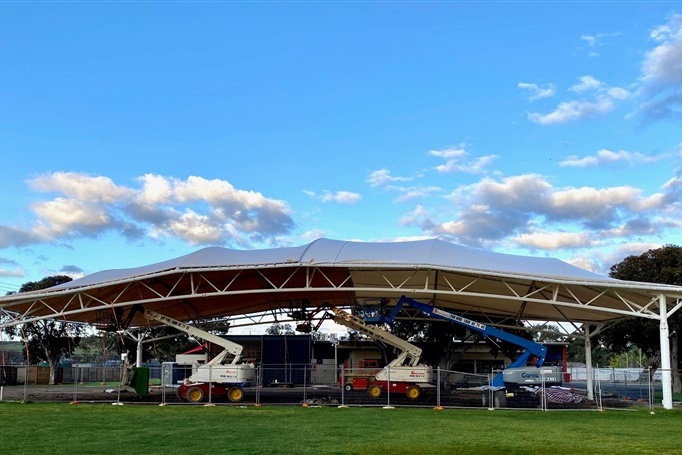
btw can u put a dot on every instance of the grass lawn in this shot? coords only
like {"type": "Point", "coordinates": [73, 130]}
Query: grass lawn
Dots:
{"type": "Point", "coordinates": [47, 428]}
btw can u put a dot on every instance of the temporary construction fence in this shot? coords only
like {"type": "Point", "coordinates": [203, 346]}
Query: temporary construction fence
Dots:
{"type": "Point", "coordinates": [322, 385]}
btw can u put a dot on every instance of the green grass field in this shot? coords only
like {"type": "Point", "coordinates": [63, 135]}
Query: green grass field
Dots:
{"type": "Point", "coordinates": [46, 428]}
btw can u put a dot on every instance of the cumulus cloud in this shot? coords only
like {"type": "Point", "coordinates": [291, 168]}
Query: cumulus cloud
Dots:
{"type": "Point", "coordinates": [545, 240]}
{"type": "Point", "coordinates": [662, 64]}
{"type": "Point", "coordinates": [61, 217]}
{"type": "Point", "coordinates": [195, 210]}
{"type": "Point", "coordinates": [531, 212]}
{"type": "Point", "coordinates": [536, 92]}
{"type": "Point", "coordinates": [662, 73]}
{"type": "Point", "coordinates": [78, 186]}
{"type": "Point", "coordinates": [16, 236]}
{"type": "Point", "coordinates": [607, 157]}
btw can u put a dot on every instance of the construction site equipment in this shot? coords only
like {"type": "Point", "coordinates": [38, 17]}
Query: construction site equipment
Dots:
{"type": "Point", "coordinates": [511, 383]}
{"type": "Point", "coordinates": [214, 377]}
{"type": "Point", "coordinates": [402, 375]}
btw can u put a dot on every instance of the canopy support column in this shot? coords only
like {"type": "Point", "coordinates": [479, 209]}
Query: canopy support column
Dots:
{"type": "Point", "coordinates": [588, 362]}
{"type": "Point", "coordinates": [666, 370]}
{"type": "Point", "coordinates": [138, 360]}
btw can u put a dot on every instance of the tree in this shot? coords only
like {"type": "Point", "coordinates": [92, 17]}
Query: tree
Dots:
{"type": "Point", "coordinates": [48, 339]}
{"type": "Point", "coordinates": [661, 265]}
{"type": "Point", "coordinates": [98, 348]}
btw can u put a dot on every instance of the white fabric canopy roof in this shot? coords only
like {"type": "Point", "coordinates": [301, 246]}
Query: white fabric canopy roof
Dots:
{"type": "Point", "coordinates": [218, 282]}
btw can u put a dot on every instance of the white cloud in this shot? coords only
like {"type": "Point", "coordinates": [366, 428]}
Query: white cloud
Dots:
{"type": "Point", "coordinates": [156, 189]}
{"type": "Point", "coordinates": [591, 40]}
{"type": "Point", "coordinates": [586, 263]}
{"type": "Point", "coordinates": [545, 240]}
{"type": "Point", "coordinates": [196, 210]}
{"type": "Point", "coordinates": [527, 208]}
{"type": "Point", "coordinates": [412, 193]}
{"type": "Point", "coordinates": [313, 234]}
{"type": "Point", "coordinates": [605, 157]}
{"type": "Point", "coordinates": [536, 92]}
{"type": "Point", "coordinates": [587, 83]}
{"type": "Point", "coordinates": [456, 161]}
{"type": "Point", "coordinates": [618, 93]}
{"type": "Point", "coordinates": [595, 41]}
{"type": "Point", "coordinates": [70, 217]}
{"type": "Point", "coordinates": [80, 186]}
{"type": "Point", "coordinates": [602, 102]}
{"type": "Point", "coordinates": [383, 177]}
{"type": "Point", "coordinates": [449, 153]}
{"type": "Point", "coordinates": [196, 229]}
{"type": "Point", "coordinates": [598, 205]}
{"type": "Point", "coordinates": [573, 110]}
{"type": "Point", "coordinates": [662, 64]}
{"type": "Point", "coordinates": [341, 197]}
{"type": "Point", "coordinates": [662, 73]}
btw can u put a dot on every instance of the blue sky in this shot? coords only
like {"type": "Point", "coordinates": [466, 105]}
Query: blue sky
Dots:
{"type": "Point", "coordinates": [134, 132]}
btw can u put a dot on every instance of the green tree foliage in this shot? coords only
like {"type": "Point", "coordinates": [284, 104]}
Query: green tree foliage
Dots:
{"type": "Point", "coordinates": [661, 265]}
{"type": "Point", "coordinates": [47, 340]}
{"type": "Point", "coordinates": [601, 354]}
{"type": "Point", "coordinates": [98, 348]}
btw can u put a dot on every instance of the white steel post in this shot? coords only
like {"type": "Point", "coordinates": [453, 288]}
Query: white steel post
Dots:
{"type": "Point", "coordinates": [438, 388]}
{"type": "Point", "coordinates": [305, 379]}
{"type": "Point", "coordinates": [343, 384]}
{"type": "Point", "coordinates": [588, 362]}
{"type": "Point", "coordinates": [210, 386]}
{"type": "Point", "coordinates": [259, 381]}
{"type": "Point", "coordinates": [138, 360]}
{"type": "Point", "coordinates": [388, 390]}
{"type": "Point", "coordinates": [666, 369]}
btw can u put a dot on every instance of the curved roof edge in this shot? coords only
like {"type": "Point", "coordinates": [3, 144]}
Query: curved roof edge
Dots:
{"type": "Point", "coordinates": [424, 253]}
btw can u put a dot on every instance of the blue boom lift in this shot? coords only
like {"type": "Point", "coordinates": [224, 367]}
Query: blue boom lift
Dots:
{"type": "Point", "coordinates": [510, 382]}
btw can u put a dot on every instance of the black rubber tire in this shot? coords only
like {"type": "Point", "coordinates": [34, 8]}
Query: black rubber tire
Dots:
{"type": "Point", "coordinates": [500, 399]}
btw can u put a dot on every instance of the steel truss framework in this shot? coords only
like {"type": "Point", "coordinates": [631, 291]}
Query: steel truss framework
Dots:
{"type": "Point", "coordinates": [227, 291]}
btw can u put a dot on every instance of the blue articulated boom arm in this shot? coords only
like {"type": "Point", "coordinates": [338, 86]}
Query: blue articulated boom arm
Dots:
{"type": "Point", "coordinates": [530, 348]}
